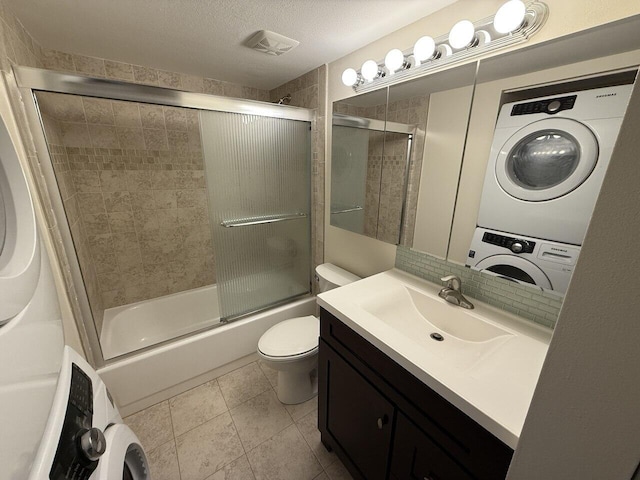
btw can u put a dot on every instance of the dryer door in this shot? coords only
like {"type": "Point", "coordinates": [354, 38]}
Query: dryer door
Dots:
{"type": "Point", "coordinates": [124, 457]}
{"type": "Point", "coordinates": [515, 269]}
{"type": "Point", "coordinates": [546, 159]}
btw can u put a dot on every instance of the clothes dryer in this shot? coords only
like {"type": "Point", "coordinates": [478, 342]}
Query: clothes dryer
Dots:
{"type": "Point", "coordinates": [548, 159]}
{"type": "Point", "coordinates": [524, 260]}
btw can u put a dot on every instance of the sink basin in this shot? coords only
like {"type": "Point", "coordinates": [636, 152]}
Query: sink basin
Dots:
{"type": "Point", "coordinates": [465, 336]}
{"type": "Point", "coordinates": [430, 314]}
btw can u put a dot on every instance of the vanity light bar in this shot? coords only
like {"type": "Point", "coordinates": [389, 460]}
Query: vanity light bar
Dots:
{"type": "Point", "coordinates": [514, 23]}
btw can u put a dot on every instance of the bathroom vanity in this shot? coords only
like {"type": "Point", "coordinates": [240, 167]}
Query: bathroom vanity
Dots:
{"type": "Point", "coordinates": [395, 403]}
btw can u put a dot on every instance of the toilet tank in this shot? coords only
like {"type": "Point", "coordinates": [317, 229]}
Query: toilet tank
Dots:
{"type": "Point", "coordinates": [331, 276]}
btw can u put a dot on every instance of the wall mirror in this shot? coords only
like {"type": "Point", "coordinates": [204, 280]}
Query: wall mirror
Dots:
{"type": "Point", "coordinates": [379, 142]}
{"type": "Point", "coordinates": [541, 134]}
{"type": "Point", "coordinates": [439, 106]}
{"type": "Point", "coordinates": [358, 133]}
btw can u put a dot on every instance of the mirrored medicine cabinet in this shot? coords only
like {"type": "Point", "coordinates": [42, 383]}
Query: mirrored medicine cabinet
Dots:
{"type": "Point", "coordinates": [408, 161]}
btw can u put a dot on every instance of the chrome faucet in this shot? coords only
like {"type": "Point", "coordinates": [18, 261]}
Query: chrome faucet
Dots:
{"type": "Point", "coordinates": [452, 293]}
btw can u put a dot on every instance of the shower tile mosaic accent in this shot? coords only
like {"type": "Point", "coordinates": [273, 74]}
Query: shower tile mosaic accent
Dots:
{"type": "Point", "coordinates": [528, 303]}
{"type": "Point", "coordinates": [132, 180]}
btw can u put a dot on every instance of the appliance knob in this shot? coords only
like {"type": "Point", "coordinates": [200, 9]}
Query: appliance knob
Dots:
{"type": "Point", "coordinates": [93, 444]}
{"type": "Point", "coordinates": [517, 247]}
{"type": "Point", "coordinates": [554, 106]}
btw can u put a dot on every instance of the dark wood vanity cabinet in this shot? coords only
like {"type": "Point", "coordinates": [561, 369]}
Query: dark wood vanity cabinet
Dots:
{"type": "Point", "coordinates": [384, 423]}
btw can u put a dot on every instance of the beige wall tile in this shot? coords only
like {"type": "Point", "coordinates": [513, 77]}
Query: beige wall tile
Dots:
{"type": "Point", "coordinates": [146, 75]}
{"type": "Point", "coordinates": [130, 138]}
{"type": "Point", "coordinates": [152, 116]}
{"type": "Point", "coordinates": [126, 114]}
{"type": "Point", "coordinates": [89, 65]}
{"type": "Point", "coordinates": [169, 79]}
{"type": "Point", "coordinates": [98, 111]}
{"type": "Point", "coordinates": [118, 70]}
{"type": "Point", "coordinates": [103, 136]}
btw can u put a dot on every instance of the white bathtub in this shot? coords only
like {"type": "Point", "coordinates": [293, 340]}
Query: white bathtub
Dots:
{"type": "Point", "coordinates": [138, 325]}
{"type": "Point", "coordinates": [156, 374]}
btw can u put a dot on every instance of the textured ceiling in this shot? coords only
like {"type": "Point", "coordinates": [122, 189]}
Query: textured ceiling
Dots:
{"type": "Point", "coordinates": [206, 37]}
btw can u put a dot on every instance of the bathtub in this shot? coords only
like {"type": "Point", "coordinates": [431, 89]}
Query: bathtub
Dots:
{"type": "Point", "coordinates": [153, 375]}
{"type": "Point", "coordinates": [138, 325]}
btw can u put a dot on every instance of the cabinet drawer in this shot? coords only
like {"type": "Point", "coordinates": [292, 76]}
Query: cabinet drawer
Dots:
{"type": "Point", "coordinates": [415, 456]}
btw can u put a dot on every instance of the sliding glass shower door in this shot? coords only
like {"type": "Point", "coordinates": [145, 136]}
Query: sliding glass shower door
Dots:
{"type": "Point", "coordinates": [258, 182]}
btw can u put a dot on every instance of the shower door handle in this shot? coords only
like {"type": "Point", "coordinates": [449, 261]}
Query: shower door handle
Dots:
{"type": "Point", "coordinates": [245, 222]}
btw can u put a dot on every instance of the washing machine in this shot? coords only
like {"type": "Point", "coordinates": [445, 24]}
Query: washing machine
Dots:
{"type": "Point", "coordinates": [548, 159]}
{"type": "Point", "coordinates": [56, 418]}
{"type": "Point", "coordinates": [524, 260]}
{"type": "Point", "coordinates": [85, 437]}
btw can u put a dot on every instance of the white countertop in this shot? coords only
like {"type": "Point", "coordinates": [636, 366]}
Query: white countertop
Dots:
{"type": "Point", "coordinates": [494, 387]}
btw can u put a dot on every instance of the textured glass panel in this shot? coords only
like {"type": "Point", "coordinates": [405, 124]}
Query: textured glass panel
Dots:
{"type": "Point", "coordinates": [543, 159]}
{"type": "Point", "coordinates": [258, 181]}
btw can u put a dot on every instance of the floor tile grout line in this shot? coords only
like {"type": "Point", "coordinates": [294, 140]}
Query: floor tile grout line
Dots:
{"type": "Point", "coordinates": [175, 440]}
{"type": "Point", "coordinates": [241, 444]}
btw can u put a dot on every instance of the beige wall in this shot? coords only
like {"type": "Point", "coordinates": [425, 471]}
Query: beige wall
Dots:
{"type": "Point", "coordinates": [364, 255]}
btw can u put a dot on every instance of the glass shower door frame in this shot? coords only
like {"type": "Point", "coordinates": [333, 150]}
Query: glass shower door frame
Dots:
{"type": "Point", "coordinates": [31, 80]}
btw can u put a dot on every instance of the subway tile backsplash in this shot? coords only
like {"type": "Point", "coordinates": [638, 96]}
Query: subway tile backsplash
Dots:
{"type": "Point", "coordinates": [536, 306]}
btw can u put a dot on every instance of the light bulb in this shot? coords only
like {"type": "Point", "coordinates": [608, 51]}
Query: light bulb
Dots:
{"type": "Point", "coordinates": [461, 34]}
{"type": "Point", "coordinates": [349, 77]}
{"type": "Point", "coordinates": [424, 48]}
{"type": "Point", "coordinates": [369, 70]}
{"type": "Point", "coordinates": [394, 60]}
{"type": "Point", "coordinates": [509, 16]}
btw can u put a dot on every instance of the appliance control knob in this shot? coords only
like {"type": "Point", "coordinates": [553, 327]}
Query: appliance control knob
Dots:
{"type": "Point", "coordinates": [517, 247]}
{"type": "Point", "coordinates": [93, 444]}
{"type": "Point", "coordinates": [554, 106]}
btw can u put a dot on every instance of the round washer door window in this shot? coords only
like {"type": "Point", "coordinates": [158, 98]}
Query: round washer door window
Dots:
{"type": "Point", "coordinates": [516, 269]}
{"type": "Point", "coordinates": [546, 159]}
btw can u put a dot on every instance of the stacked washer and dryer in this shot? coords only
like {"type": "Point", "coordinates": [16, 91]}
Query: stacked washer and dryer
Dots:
{"type": "Point", "coordinates": [57, 420]}
{"type": "Point", "coordinates": [548, 158]}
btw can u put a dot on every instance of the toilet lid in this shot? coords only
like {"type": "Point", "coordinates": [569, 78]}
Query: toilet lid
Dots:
{"type": "Point", "coordinates": [291, 337]}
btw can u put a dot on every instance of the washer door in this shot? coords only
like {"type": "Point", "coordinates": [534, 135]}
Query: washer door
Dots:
{"type": "Point", "coordinates": [515, 269]}
{"type": "Point", "coordinates": [124, 457]}
{"type": "Point", "coordinates": [546, 159]}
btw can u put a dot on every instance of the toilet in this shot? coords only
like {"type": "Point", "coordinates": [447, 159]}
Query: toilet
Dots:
{"type": "Point", "coordinates": [291, 346]}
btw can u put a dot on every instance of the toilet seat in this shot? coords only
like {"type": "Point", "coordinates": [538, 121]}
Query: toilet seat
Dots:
{"type": "Point", "coordinates": [293, 338]}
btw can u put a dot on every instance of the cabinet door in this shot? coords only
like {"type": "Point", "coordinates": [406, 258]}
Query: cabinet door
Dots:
{"type": "Point", "coordinates": [358, 418]}
{"type": "Point", "coordinates": [415, 456]}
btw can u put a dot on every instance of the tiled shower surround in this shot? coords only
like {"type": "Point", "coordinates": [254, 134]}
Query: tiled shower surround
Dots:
{"type": "Point", "coordinates": [529, 303]}
{"type": "Point", "coordinates": [132, 180]}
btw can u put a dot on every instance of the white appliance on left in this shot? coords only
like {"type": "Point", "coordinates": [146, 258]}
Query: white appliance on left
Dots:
{"type": "Point", "coordinates": [57, 420]}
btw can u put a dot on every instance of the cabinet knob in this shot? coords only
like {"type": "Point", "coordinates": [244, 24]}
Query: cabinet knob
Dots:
{"type": "Point", "coordinates": [382, 421]}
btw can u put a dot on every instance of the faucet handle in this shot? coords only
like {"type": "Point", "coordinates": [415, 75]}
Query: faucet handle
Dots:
{"type": "Point", "coordinates": [453, 281]}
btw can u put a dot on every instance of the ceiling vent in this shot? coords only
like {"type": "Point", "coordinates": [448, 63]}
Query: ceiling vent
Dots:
{"type": "Point", "coordinates": [271, 43]}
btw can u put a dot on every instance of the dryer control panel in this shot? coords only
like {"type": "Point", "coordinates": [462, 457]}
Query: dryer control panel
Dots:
{"type": "Point", "coordinates": [516, 245]}
{"type": "Point", "coordinates": [71, 461]}
{"type": "Point", "coordinates": [550, 105]}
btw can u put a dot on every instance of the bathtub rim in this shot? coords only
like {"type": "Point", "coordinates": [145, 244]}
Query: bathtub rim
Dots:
{"type": "Point", "coordinates": [145, 351]}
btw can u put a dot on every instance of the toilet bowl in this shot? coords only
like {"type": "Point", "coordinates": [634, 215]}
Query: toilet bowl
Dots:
{"type": "Point", "coordinates": [291, 346]}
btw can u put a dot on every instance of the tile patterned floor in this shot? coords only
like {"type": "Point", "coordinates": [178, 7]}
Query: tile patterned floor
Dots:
{"type": "Point", "coordinates": [234, 428]}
